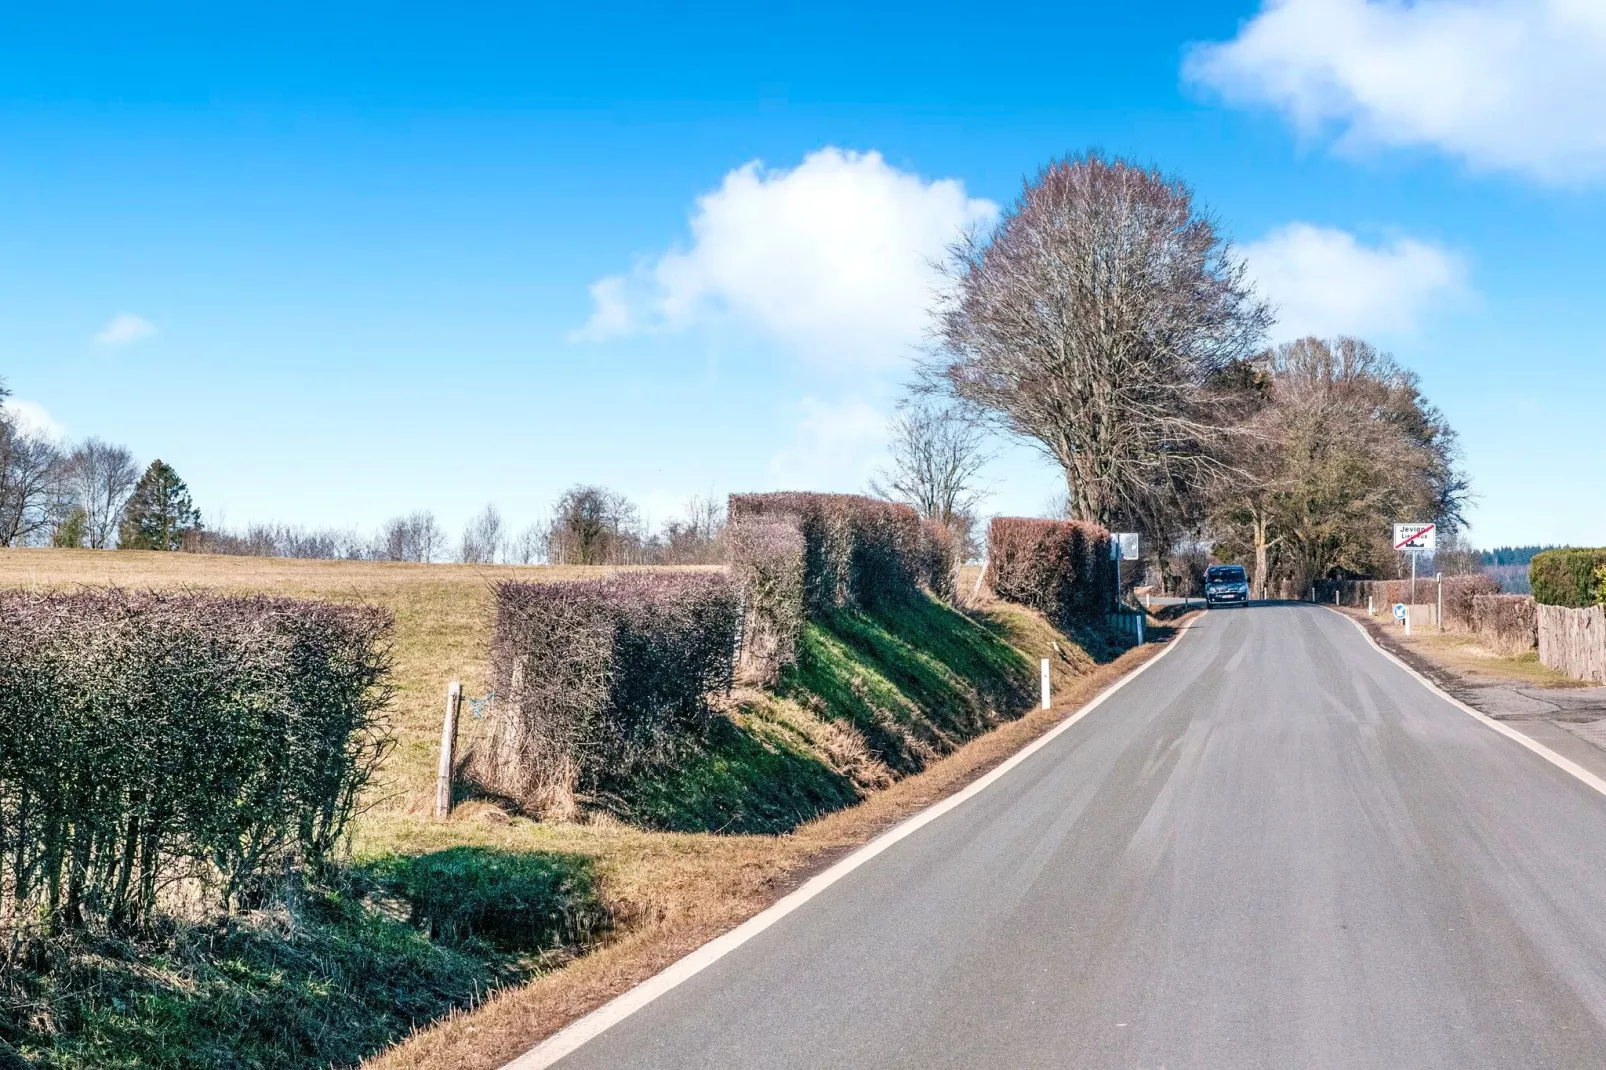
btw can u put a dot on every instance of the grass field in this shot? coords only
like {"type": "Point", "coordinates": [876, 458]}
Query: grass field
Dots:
{"type": "Point", "coordinates": [433, 919]}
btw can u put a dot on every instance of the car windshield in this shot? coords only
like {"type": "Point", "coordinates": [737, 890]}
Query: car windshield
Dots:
{"type": "Point", "coordinates": [1227, 574]}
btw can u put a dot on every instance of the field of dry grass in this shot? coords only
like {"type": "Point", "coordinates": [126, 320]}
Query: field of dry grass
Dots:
{"type": "Point", "coordinates": [666, 892]}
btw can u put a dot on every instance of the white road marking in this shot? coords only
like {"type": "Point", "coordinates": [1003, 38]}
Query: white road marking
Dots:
{"type": "Point", "coordinates": [627, 1003]}
{"type": "Point", "coordinates": [1565, 764]}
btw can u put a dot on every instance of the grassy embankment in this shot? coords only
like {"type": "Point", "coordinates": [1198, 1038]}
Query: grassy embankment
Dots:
{"type": "Point", "coordinates": [434, 919]}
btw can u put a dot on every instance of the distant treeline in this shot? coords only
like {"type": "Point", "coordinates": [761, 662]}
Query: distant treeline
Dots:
{"type": "Point", "coordinates": [1513, 555]}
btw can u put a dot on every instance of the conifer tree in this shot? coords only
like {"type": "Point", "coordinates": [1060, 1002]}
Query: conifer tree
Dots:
{"type": "Point", "coordinates": [159, 513]}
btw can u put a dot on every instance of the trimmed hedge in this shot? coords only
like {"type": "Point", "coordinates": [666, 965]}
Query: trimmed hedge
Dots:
{"type": "Point", "coordinates": [858, 552]}
{"type": "Point", "coordinates": [1506, 623]}
{"type": "Point", "coordinates": [177, 746]}
{"type": "Point", "coordinates": [767, 562]}
{"type": "Point", "coordinates": [1573, 578]}
{"type": "Point", "coordinates": [1061, 567]}
{"type": "Point", "coordinates": [599, 679]}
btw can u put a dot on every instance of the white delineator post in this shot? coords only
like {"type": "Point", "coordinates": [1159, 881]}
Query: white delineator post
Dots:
{"type": "Point", "coordinates": [1440, 578]}
{"type": "Point", "coordinates": [1407, 620]}
{"type": "Point", "coordinates": [443, 772]}
{"type": "Point", "coordinates": [1046, 702]}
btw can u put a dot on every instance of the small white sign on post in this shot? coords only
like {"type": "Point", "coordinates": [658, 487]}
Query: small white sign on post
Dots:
{"type": "Point", "coordinates": [1416, 537]}
{"type": "Point", "coordinates": [1124, 546]}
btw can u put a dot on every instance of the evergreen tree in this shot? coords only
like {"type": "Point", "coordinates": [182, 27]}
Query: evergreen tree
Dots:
{"type": "Point", "coordinates": [72, 530]}
{"type": "Point", "coordinates": [159, 513]}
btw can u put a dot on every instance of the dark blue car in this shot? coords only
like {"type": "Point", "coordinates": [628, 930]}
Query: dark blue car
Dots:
{"type": "Point", "coordinates": [1226, 585]}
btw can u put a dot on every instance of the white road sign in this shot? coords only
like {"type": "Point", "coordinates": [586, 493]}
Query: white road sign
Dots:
{"type": "Point", "coordinates": [1124, 546]}
{"type": "Point", "coordinates": [1416, 536]}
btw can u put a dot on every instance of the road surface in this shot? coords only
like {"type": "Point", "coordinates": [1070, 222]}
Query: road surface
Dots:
{"type": "Point", "coordinates": [1275, 849]}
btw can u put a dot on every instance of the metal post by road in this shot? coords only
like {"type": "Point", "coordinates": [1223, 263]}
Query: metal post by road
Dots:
{"type": "Point", "coordinates": [1440, 579]}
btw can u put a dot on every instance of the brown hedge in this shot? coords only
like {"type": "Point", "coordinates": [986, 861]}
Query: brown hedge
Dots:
{"type": "Point", "coordinates": [1061, 567]}
{"type": "Point", "coordinates": [857, 552]}
{"type": "Point", "coordinates": [597, 680]}
{"type": "Point", "coordinates": [177, 744]}
{"type": "Point", "coordinates": [1506, 623]}
{"type": "Point", "coordinates": [766, 559]}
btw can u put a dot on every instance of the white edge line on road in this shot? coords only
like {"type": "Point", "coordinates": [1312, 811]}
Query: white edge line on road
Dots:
{"type": "Point", "coordinates": [627, 1003]}
{"type": "Point", "coordinates": [1564, 764]}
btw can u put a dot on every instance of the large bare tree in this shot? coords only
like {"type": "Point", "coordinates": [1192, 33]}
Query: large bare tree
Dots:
{"type": "Point", "coordinates": [1339, 444]}
{"type": "Point", "coordinates": [1088, 323]}
{"type": "Point", "coordinates": [99, 477]}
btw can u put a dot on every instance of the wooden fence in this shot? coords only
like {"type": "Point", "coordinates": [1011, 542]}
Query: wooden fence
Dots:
{"type": "Point", "coordinates": [1573, 641]}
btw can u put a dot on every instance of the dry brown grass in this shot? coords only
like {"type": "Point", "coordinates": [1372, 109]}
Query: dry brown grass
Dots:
{"type": "Point", "coordinates": [1462, 655]}
{"type": "Point", "coordinates": [669, 892]}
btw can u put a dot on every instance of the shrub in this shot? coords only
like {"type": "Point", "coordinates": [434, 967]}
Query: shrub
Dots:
{"type": "Point", "coordinates": [857, 552]}
{"type": "Point", "coordinates": [177, 744]}
{"type": "Point", "coordinates": [1568, 577]}
{"type": "Point", "coordinates": [767, 562]}
{"type": "Point", "coordinates": [1061, 567]}
{"type": "Point", "coordinates": [515, 901]}
{"type": "Point", "coordinates": [602, 678]}
{"type": "Point", "coordinates": [1505, 623]}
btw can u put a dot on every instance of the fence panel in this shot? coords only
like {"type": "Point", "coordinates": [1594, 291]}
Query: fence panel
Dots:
{"type": "Point", "coordinates": [1573, 641]}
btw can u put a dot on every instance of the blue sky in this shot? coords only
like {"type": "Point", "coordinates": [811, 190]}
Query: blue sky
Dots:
{"type": "Point", "coordinates": [338, 265]}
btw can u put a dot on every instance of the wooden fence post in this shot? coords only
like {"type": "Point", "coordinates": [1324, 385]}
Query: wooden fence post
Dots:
{"type": "Point", "coordinates": [443, 775]}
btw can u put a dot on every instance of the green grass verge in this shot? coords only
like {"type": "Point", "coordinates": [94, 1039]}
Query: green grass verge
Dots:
{"type": "Point", "coordinates": [912, 682]}
{"type": "Point", "coordinates": [323, 981]}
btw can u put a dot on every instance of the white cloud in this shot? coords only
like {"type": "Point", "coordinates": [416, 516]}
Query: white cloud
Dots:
{"type": "Point", "coordinates": [836, 447]}
{"type": "Point", "coordinates": [1325, 282]}
{"type": "Point", "coordinates": [832, 257]}
{"type": "Point", "coordinates": [1516, 85]}
{"type": "Point", "coordinates": [125, 327]}
{"type": "Point", "coordinates": [33, 419]}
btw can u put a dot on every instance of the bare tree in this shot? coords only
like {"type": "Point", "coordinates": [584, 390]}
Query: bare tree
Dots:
{"type": "Point", "coordinates": [594, 526]}
{"type": "Point", "coordinates": [482, 538]}
{"type": "Point", "coordinates": [1340, 444]}
{"type": "Point", "coordinates": [31, 471]}
{"type": "Point", "coordinates": [416, 537]}
{"type": "Point", "coordinates": [1089, 323]}
{"type": "Point", "coordinates": [529, 546]}
{"type": "Point", "coordinates": [938, 452]}
{"type": "Point", "coordinates": [692, 539]}
{"type": "Point", "coordinates": [98, 479]}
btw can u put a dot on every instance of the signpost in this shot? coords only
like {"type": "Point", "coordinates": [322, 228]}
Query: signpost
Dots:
{"type": "Point", "coordinates": [1414, 539]}
{"type": "Point", "coordinates": [1123, 547]}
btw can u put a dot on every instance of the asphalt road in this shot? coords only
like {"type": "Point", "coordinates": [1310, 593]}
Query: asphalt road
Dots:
{"type": "Point", "coordinates": [1276, 849]}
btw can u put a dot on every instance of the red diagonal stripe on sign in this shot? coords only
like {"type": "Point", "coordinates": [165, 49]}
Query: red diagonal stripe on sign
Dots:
{"type": "Point", "coordinates": [1413, 538]}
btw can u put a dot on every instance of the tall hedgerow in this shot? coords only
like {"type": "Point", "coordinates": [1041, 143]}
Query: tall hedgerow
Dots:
{"type": "Point", "coordinates": [858, 552]}
{"type": "Point", "coordinates": [598, 679]}
{"type": "Point", "coordinates": [177, 745]}
{"type": "Point", "coordinates": [1061, 567]}
{"type": "Point", "coordinates": [766, 559]}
